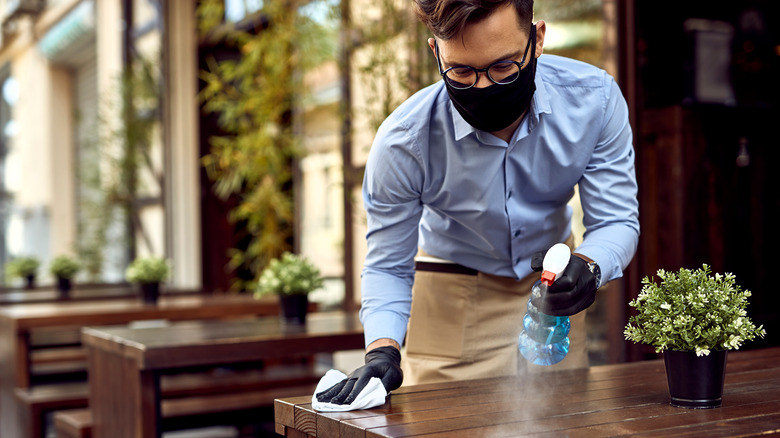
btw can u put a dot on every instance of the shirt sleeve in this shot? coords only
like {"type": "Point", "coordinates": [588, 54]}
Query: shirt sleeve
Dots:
{"type": "Point", "coordinates": [608, 192]}
{"type": "Point", "coordinates": [391, 197]}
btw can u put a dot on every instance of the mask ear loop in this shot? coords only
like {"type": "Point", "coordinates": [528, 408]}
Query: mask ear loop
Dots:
{"type": "Point", "coordinates": [438, 61]}
{"type": "Point", "coordinates": [531, 41]}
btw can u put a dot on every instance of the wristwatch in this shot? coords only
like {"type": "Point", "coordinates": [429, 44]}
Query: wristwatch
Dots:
{"type": "Point", "coordinates": [593, 267]}
{"type": "Point", "coordinates": [596, 271]}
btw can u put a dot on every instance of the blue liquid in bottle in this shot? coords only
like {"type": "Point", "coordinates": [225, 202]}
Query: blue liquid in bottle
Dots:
{"type": "Point", "coordinates": [545, 338]}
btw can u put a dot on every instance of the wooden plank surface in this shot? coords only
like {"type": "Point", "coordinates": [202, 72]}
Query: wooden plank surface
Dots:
{"type": "Point", "coordinates": [195, 343]}
{"type": "Point", "coordinates": [137, 357]}
{"type": "Point", "coordinates": [624, 399]}
{"type": "Point", "coordinates": [18, 322]}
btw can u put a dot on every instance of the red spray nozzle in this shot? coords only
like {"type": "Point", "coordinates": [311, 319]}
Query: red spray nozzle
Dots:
{"type": "Point", "coordinates": [548, 278]}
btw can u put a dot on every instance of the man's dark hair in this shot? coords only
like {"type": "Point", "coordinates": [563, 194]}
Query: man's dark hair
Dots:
{"type": "Point", "coordinates": [447, 18]}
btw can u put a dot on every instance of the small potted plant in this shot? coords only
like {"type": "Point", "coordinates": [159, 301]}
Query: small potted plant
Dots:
{"type": "Point", "coordinates": [292, 278]}
{"type": "Point", "coordinates": [694, 318]}
{"type": "Point", "coordinates": [148, 273]}
{"type": "Point", "coordinates": [64, 268]}
{"type": "Point", "coordinates": [25, 268]}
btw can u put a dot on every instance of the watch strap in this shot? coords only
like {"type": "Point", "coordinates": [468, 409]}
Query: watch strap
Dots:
{"type": "Point", "coordinates": [593, 267]}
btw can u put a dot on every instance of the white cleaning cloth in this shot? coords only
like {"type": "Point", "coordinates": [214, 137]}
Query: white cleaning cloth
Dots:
{"type": "Point", "coordinates": [371, 396]}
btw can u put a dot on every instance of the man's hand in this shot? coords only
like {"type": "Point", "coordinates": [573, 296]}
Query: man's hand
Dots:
{"type": "Point", "coordinates": [572, 292]}
{"type": "Point", "coordinates": [382, 362]}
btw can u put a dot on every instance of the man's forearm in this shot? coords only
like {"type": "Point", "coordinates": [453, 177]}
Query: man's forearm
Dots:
{"type": "Point", "coordinates": [384, 342]}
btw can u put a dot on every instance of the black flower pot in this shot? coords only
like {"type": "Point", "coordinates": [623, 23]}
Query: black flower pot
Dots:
{"type": "Point", "coordinates": [695, 381]}
{"type": "Point", "coordinates": [64, 286]}
{"type": "Point", "coordinates": [294, 308]}
{"type": "Point", "coordinates": [150, 292]}
{"type": "Point", "coordinates": [29, 282]}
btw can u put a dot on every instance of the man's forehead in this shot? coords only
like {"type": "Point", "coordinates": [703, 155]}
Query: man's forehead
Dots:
{"type": "Point", "coordinates": [456, 52]}
{"type": "Point", "coordinates": [482, 61]}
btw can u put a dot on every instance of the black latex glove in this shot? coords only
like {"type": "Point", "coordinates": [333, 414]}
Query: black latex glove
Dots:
{"type": "Point", "coordinates": [572, 292]}
{"type": "Point", "coordinates": [382, 362]}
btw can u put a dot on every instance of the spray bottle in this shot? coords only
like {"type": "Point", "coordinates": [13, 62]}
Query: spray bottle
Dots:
{"type": "Point", "coordinates": [545, 338]}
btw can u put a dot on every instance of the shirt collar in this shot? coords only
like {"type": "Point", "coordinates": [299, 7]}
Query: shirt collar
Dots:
{"type": "Point", "coordinates": [540, 104]}
{"type": "Point", "coordinates": [462, 127]}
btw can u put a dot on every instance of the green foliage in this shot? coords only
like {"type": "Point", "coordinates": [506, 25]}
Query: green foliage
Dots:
{"type": "Point", "coordinates": [289, 275]}
{"type": "Point", "coordinates": [22, 267]}
{"type": "Point", "coordinates": [256, 97]}
{"type": "Point", "coordinates": [148, 270]}
{"type": "Point", "coordinates": [692, 310]}
{"type": "Point", "coordinates": [64, 266]}
{"type": "Point", "coordinates": [389, 75]}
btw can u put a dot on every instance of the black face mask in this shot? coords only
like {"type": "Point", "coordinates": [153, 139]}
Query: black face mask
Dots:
{"type": "Point", "coordinates": [495, 107]}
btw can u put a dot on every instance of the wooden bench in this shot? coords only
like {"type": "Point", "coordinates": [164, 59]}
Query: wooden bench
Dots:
{"type": "Point", "coordinates": [74, 423]}
{"type": "Point", "coordinates": [186, 396]}
{"type": "Point", "coordinates": [28, 331]}
{"type": "Point", "coordinates": [183, 412]}
{"type": "Point", "coordinates": [58, 364]}
{"type": "Point", "coordinates": [35, 402]}
{"type": "Point", "coordinates": [56, 355]}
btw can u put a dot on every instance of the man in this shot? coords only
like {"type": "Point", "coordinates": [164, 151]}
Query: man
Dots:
{"type": "Point", "coordinates": [473, 175]}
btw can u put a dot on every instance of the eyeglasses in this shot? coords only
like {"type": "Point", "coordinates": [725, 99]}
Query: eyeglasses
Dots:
{"type": "Point", "coordinates": [463, 77]}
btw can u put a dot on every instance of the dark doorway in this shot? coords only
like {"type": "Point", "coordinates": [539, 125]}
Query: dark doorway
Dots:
{"type": "Point", "coordinates": [701, 81]}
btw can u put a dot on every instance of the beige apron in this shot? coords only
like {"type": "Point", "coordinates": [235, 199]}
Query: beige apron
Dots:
{"type": "Point", "coordinates": [466, 327]}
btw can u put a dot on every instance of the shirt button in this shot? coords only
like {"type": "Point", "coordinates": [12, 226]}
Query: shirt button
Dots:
{"type": "Point", "coordinates": [509, 195]}
{"type": "Point", "coordinates": [517, 233]}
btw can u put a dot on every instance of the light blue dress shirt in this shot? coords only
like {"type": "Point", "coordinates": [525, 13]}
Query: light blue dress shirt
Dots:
{"type": "Point", "coordinates": [465, 195]}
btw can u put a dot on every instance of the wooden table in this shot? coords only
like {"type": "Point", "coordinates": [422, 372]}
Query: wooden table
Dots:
{"type": "Point", "coordinates": [612, 400]}
{"type": "Point", "coordinates": [18, 321]}
{"type": "Point", "coordinates": [125, 364]}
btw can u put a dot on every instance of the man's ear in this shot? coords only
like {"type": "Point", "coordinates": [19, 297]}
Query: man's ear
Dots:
{"type": "Point", "coordinates": [541, 28]}
{"type": "Point", "coordinates": [432, 45]}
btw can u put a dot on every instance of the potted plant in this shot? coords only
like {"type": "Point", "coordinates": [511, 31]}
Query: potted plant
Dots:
{"type": "Point", "coordinates": [25, 268]}
{"type": "Point", "coordinates": [292, 278]}
{"type": "Point", "coordinates": [64, 268]}
{"type": "Point", "coordinates": [148, 273]}
{"type": "Point", "coordinates": [694, 318]}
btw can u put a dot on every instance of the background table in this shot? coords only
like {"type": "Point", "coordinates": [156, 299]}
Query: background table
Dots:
{"type": "Point", "coordinates": [125, 364]}
{"type": "Point", "coordinates": [18, 322]}
{"type": "Point", "coordinates": [612, 400]}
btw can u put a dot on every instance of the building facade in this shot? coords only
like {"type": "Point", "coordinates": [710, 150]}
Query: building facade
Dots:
{"type": "Point", "coordinates": [71, 70]}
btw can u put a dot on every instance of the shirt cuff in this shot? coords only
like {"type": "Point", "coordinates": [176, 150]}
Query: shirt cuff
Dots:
{"type": "Point", "coordinates": [384, 324]}
{"type": "Point", "coordinates": [612, 248]}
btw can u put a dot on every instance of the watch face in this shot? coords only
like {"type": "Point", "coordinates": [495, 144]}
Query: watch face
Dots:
{"type": "Point", "coordinates": [596, 271]}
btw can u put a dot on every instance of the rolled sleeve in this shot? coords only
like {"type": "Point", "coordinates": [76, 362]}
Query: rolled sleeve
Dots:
{"type": "Point", "coordinates": [385, 306]}
{"type": "Point", "coordinates": [391, 197]}
{"type": "Point", "coordinates": [608, 191]}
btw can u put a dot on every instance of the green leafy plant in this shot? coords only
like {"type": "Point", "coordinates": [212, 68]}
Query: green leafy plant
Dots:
{"type": "Point", "coordinates": [256, 96]}
{"type": "Point", "coordinates": [693, 311]}
{"type": "Point", "coordinates": [148, 270]}
{"type": "Point", "coordinates": [22, 267]}
{"type": "Point", "coordinates": [65, 266]}
{"type": "Point", "coordinates": [289, 275]}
